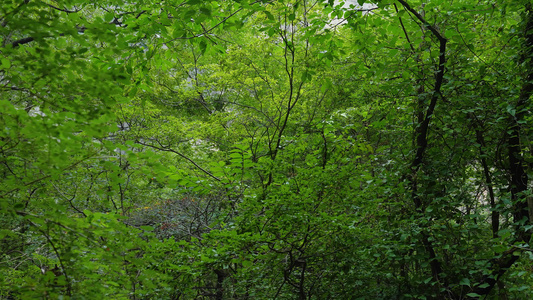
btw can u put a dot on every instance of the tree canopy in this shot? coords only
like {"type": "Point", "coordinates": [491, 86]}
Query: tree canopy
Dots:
{"type": "Point", "coordinates": [283, 149]}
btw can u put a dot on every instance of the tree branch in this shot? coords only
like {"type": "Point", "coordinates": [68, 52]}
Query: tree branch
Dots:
{"type": "Point", "coordinates": [44, 177]}
{"type": "Point", "coordinates": [422, 129]}
{"type": "Point", "coordinates": [421, 133]}
{"type": "Point", "coordinates": [22, 41]}
{"type": "Point", "coordinates": [166, 149]}
{"type": "Point", "coordinates": [64, 9]}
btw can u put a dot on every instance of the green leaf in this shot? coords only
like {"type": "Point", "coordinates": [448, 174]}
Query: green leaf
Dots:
{"type": "Point", "coordinates": [147, 228]}
{"type": "Point", "coordinates": [247, 263]}
{"type": "Point", "coordinates": [269, 15]}
{"type": "Point", "coordinates": [6, 63]}
{"type": "Point", "coordinates": [109, 17]}
{"type": "Point", "coordinates": [465, 281]}
{"type": "Point", "coordinates": [203, 46]}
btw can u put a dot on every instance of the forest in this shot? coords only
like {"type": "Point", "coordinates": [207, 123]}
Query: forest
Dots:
{"type": "Point", "coordinates": [266, 149]}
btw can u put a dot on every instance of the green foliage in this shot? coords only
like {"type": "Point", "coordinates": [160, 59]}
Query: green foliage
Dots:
{"type": "Point", "coordinates": [266, 149]}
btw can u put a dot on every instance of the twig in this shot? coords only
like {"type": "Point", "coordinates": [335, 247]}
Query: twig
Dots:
{"type": "Point", "coordinates": [166, 149]}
